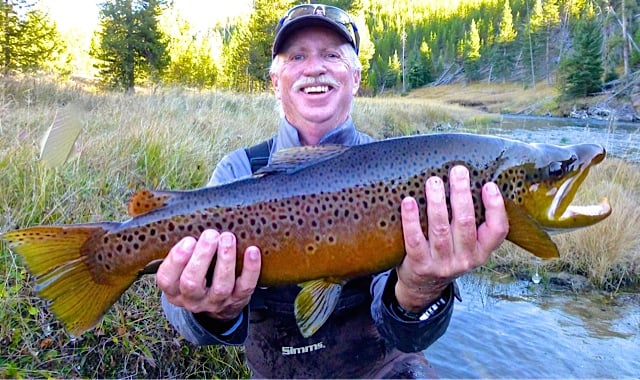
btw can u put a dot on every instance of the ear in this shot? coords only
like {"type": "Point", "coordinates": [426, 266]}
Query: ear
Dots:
{"type": "Point", "coordinates": [275, 82]}
{"type": "Point", "coordinates": [356, 82]}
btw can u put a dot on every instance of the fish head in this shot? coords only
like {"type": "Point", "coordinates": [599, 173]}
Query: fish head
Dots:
{"type": "Point", "coordinates": [550, 185]}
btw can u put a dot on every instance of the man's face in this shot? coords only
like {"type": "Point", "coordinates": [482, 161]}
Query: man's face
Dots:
{"type": "Point", "coordinates": [316, 83]}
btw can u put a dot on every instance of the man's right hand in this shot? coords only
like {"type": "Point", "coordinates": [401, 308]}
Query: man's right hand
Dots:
{"type": "Point", "coordinates": [182, 275]}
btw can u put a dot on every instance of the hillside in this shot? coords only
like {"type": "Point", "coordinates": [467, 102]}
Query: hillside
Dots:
{"type": "Point", "coordinates": [619, 101]}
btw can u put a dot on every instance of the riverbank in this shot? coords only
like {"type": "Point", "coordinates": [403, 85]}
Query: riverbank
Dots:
{"type": "Point", "coordinates": [491, 100]}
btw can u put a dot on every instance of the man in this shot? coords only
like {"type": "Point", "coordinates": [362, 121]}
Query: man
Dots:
{"type": "Point", "coordinates": [381, 323]}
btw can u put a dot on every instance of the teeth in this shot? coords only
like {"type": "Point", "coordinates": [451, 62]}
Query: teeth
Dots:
{"type": "Point", "coordinates": [322, 89]}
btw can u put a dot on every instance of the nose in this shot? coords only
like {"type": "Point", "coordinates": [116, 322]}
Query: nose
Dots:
{"type": "Point", "coordinates": [315, 65]}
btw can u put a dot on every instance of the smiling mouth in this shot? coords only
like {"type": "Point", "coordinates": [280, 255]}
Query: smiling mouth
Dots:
{"type": "Point", "coordinates": [316, 89]}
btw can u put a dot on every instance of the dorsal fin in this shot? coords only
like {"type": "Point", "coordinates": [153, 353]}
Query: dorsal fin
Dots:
{"type": "Point", "coordinates": [144, 201]}
{"type": "Point", "coordinates": [294, 159]}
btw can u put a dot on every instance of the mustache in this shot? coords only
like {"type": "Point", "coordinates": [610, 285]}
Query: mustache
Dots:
{"type": "Point", "coordinates": [314, 81]}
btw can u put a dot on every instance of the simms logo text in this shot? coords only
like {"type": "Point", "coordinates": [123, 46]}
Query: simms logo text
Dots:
{"type": "Point", "coordinates": [302, 350]}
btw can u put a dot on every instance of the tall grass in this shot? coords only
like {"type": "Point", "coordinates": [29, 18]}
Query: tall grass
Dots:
{"type": "Point", "coordinates": [171, 139]}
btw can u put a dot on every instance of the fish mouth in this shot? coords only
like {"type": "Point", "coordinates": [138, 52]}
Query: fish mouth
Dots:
{"type": "Point", "coordinates": [575, 217]}
{"type": "Point", "coordinates": [562, 215]}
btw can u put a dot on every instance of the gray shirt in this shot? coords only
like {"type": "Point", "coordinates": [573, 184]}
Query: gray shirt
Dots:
{"type": "Point", "coordinates": [361, 337]}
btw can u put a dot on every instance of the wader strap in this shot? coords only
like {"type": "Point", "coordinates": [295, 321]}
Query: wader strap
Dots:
{"type": "Point", "coordinates": [259, 155]}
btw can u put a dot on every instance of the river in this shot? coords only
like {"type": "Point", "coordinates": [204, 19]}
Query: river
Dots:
{"type": "Point", "coordinates": [526, 330]}
{"type": "Point", "coordinates": [523, 330]}
{"type": "Point", "coordinates": [619, 139]}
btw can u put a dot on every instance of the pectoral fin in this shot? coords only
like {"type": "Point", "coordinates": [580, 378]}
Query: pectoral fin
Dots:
{"type": "Point", "coordinates": [315, 303]}
{"type": "Point", "coordinates": [525, 232]}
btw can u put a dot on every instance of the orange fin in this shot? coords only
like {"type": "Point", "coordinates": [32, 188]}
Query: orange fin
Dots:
{"type": "Point", "coordinates": [54, 255]}
{"type": "Point", "coordinates": [525, 232]}
{"type": "Point", "coordinates": [144, 201]}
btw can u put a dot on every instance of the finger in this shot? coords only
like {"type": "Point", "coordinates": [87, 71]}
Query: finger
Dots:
{"type": "Point", "coordinates": [414, 240]}
{"type": "Point", "coordinates": [496, 225]}
{"type": "Point", "coordinates": [439, 230]}
{"type": "Point", "coordinates": [246, 283]}
{"type": "Point", "coordinates": [170, 270]}
{"type": "Point", "coordinates": [224, 274]}
{"type": "Point", "coordinates": [193, 279]}
{"type": "Point", "coordinates": [463, 218]}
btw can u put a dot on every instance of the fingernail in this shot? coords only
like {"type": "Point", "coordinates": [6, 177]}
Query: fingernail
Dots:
{"type": "Point", "coordinates": [436, 192]}
{"type": "Point", "coordinates": [407, 204]}
{"type": "Point", "coordinates": [226, 240]}
{"type": "Point", "coordinates": [253, 254]}
{"type": "Point", "coordinates": [188, 244]}
{"type": "Point", "coordinates": [209, 236]}
{"type": "Point", "coordinates": [460, 172]}
{"type": "Point", "coordinates": [492, 189]}
{"type": "Point", "coordinates": [434, 182]}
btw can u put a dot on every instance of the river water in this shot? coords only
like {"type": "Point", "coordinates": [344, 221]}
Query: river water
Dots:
{"type": "Point", "coordinates": [523, 330]}
{"type": "Point", "coordinates": [619, 139]}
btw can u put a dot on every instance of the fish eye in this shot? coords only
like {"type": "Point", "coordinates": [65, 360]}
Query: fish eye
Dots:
{"type": "Point", "coordinates": [556, 169]}
{"type": "Point", "coordinates": [560, 168]}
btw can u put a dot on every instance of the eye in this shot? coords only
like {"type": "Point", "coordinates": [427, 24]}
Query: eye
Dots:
{"type": "Point", "coordinates": [560, 168]}
{"type": "Point", "coordinates": [555, 169]}
{"type": "Point", "coordinates": [333, 56]}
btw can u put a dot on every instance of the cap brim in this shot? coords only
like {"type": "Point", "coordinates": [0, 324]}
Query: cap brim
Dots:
{"type": "Point", "coordinates": [305, 22]}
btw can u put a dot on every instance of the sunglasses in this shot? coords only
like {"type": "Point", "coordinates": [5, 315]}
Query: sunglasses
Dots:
{"type": "Point", "coordinates": [336, 15]}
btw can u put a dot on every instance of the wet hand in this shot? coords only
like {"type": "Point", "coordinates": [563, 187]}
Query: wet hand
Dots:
{"type": "Point", "coordinates": [451, 249]}
{"type": "Point", "coordinates": [182, 275]}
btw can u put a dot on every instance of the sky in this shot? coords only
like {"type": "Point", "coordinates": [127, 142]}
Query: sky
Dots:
{"type": "Point", "coordinates": [83, 14]}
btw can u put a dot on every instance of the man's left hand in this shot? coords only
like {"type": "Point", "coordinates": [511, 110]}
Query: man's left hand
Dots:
{"type": "Point", "coordinates": [450, 249]}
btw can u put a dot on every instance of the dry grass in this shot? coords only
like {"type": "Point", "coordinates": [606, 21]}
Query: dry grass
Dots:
{"type": "Point", "coordinates": [492, 99]}
{"type": "Point", "coordinates": [171, 139]}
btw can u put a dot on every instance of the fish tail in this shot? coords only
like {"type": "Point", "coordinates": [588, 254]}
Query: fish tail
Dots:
{"type": "Point", "coordinates": [56, 256]}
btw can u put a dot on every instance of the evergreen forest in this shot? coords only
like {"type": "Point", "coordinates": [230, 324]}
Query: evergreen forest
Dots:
{"type": "Point", "coordinates": [577, 45]}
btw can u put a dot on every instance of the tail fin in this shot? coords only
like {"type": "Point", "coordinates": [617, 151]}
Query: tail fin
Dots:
{"type": "Point", "coordinates": [54, 255]}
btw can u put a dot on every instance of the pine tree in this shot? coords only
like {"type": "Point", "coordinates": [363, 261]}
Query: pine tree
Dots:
{"type": "Point", "coordinates": [503, 57]}
{"type": "Point", "coordinates": [471, 53]}
{"type": "Point", "coordinates": [192, 62]}
{"type": "Point", "coordinates": [582, 71]}
{"type": "Point", "coordinates": [247, 56]}
{"type": "Point", "coordinates": [130, 47]}
{"type": "Point", "coordinates": [29, 41]}
{"type": "Point", "coordinates": [262, 26]}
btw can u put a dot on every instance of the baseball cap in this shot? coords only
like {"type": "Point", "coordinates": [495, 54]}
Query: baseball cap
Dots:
{"type": "Point", "coordinates": [307, 15]}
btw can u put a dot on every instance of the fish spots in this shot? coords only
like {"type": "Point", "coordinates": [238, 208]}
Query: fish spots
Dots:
{"type": "Point", "coordinates": [310, 249]}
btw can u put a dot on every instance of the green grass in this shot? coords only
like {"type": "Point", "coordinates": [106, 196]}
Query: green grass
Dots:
{"type": "Point", "coordinates": [171, 139]}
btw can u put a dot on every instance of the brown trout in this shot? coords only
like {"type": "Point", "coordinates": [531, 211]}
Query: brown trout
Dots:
{"type": "Point", "coordinates": [320, 215]}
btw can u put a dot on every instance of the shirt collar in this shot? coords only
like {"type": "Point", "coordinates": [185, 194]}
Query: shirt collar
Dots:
{"type": "Point", "coordinates": [343, 134]}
